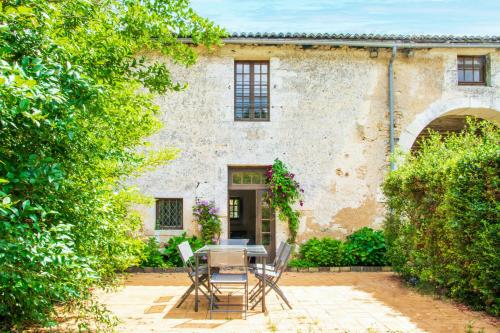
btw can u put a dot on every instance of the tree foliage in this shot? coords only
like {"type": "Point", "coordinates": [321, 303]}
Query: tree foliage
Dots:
{"type": "Point", "coordinates": [76, 102]}
{"type": "Point", "coordinates": [444, 230]}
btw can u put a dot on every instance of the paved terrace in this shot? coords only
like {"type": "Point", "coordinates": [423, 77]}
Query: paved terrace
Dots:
{"type": "Point", "coordinates": [323, 302]}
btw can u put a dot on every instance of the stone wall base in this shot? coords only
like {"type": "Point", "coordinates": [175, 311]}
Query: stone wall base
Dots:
{"type": "Point", "coordinates": [289, 269]}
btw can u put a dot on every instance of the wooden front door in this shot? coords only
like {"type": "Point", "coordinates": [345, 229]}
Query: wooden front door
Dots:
{"type": "Point", "coordinates": [265, 224]}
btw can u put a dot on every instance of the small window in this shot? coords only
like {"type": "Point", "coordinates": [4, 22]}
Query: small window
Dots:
{"type": "Point", "coordinates": [248, 178]}
{"type": "Point", "coordinates": [251, 93]}
{"type": "Point", "coordinates": [234, 208]}
{"type": "Point", "coordinates": [168, 214]}
{"type": "Point", "coordinates": [471, 70]}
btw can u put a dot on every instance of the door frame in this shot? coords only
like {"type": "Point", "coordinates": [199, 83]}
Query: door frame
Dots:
{"type": "Point", "coordinates": [253, 187]}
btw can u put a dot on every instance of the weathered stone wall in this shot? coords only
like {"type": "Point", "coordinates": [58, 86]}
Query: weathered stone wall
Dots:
{"type": "Point", "coordinates": [329, 123]}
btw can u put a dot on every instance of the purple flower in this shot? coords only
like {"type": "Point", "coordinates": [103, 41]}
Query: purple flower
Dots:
{"type": "Point", "coordinates": [301, 203]}
{"type": "Point", "coordinates": [302, 190]}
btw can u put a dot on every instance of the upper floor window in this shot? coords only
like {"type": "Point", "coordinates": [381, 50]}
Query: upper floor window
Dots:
{"type": "Point", "coordinates": [251, 93]}
{"type": "Point", "coordinates": [471, 70]}
{"type": "Point", "coordinates": [168, 214]}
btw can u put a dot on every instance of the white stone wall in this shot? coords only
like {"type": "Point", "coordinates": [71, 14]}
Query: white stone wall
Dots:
{"type": "Point", "coordinates": [329, 124]}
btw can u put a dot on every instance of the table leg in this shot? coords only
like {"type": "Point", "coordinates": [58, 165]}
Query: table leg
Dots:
{"type": "Point", "coordinates": [264, 284]}
{"type": "Point", "coordinates": [196, 282]}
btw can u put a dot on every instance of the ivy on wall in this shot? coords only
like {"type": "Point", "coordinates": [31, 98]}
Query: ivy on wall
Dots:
{"type": "Point", "coordinates": [284, 193]}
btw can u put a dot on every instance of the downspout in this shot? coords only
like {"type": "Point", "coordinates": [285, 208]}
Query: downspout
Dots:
{"type": "Point", "coordinates": [391, 105]}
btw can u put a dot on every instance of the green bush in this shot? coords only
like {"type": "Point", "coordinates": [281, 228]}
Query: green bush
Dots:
{"type": "Point", "coordinates": [171, 252]}
{"type": "Point", "coordinates": [152, 256]}
{"type": "Point", "coordinates": [444, 231]}
{"type": "Point", "coordinates": [365, 247]}
{"type": "Point", "coordinates": [300, 263]}
{"type": "Point", "coordinates": [325, 252]}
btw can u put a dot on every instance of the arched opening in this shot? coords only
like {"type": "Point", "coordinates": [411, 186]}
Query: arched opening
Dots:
{"type": "Point", "coordinates": [443, 125]}
{"type": "Point", "coordinates": [454, 121]}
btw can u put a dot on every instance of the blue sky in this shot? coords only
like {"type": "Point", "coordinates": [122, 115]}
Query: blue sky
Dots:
{"type": "Point", "coordinates": [457, 17]}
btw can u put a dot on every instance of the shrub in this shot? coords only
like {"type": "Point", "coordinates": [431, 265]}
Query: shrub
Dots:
{"type": "Point", "coordinates": [171, 252]}
{"type": "Point", "coordinates": [444, 230]}
{"type": "Point", "coordinates": [365, 247]}
{"type": "Point", "coordinates": [205, 214]}
{"type": "Point", "coordinates": [325, 252]}
{"type": "Point", "coordinates": [152, 255]}
{"type": "Point", "coordinates": [300, 263]}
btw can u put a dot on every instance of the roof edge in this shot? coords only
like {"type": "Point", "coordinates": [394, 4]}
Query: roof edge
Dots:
{"type": "Point", "coordinates": [361, 40]}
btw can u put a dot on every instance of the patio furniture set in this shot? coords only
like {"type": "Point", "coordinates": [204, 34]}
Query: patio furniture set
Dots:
{"type": "Point", "coordinates": [226, 267]}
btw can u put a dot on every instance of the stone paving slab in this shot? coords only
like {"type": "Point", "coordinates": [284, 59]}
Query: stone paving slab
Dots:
{"type": "Point", "coordinates": [316, 309]}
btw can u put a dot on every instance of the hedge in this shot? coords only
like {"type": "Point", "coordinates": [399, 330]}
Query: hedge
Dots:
{"type": "Point", "coordinates": [443, 228]}
{"type": "Point", "coordinates": [364, 247]}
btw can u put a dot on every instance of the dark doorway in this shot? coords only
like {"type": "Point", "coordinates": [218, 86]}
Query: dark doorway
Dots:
{"type": "Point", "coordinates": [242, 214]}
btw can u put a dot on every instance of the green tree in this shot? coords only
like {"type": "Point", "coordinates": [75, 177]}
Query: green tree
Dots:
{"type": "Point", "coordinates": [76, 103]}
{"type": "Point", "coordinates": [444, 231]}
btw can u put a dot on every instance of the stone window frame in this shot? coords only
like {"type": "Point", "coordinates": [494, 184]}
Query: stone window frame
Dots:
{"type": "Point", "coordinates": [479, 66]}
{"type": "Point", "coordinates": [177, 225]}
{"type": "Point", "coordinates": [251, 85]}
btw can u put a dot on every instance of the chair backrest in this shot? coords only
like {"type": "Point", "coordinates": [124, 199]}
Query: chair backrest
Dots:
{"type": "Point", "coordinates": [282, 261]}
{"type": "Point", "coordinates": [278, 253]}
{"type": "Point", "coordinates": [242, 241]}
{"type": "Point", "coordinates": [186, 253]}
{"type": "Point", "coordinates": [227, 258]}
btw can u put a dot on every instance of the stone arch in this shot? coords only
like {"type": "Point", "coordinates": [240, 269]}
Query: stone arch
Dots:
{"type": "Point", "coordinates": [488, 109]}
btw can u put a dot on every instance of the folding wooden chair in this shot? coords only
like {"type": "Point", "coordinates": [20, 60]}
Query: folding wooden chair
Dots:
{"type": "Point", "coordinates": [186, 255]}
{"type": "Point", "coordinates": [232, 260]}
{"type": "Point", "coordinates": [272, 278]}
{"type": "Point", "coordinates": [269, 267]}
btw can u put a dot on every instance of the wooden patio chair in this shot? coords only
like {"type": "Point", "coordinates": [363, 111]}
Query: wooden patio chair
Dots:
{"type": "Point", "coordinates": [187, 255]}
{"type": "Point", "coordinates": [235, 262]}
{"type": "Point", "coordinates": [272, 278]}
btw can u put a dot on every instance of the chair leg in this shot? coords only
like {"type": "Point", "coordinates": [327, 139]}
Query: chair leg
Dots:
{"type": "Point", "coordinates": [280, 293]}
{"type": "Point", "coordinates": [185, 295]}
{"type": "Point", "coordinates": [254, 287]}
{"type": "Point", "coordinates": [274, 286]}
{"type": "Point", "coordinates": [213, 286]}
{"type": "Point", "coordinates": [246, 299]}
{"type": "Point", "coordinates": [258, 291]}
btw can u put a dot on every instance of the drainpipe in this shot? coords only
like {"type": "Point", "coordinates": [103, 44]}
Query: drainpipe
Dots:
{"type": "Point", "coordinates": [391, 104]}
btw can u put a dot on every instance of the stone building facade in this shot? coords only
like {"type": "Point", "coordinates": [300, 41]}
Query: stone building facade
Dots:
{"type": "Point", "coordinates": [328, 121]}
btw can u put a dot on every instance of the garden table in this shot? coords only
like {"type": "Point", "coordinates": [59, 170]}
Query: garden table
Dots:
{"type": "Point", "coordinates": [256, 251]}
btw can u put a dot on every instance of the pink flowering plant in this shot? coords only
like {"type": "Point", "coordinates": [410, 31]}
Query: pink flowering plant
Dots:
{"type": "Point", "coordinates": [205, 214]}
{"type": "Point", "coordinates": [284, 193]}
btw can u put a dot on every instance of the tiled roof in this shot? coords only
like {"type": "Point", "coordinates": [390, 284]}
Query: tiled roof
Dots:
{"type": "Point", "coordinates": [368, 37]}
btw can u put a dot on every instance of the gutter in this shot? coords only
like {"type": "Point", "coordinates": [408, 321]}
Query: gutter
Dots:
{"type": "Point", "coordinates": [391, 105]}
{"type": "Point", "coordinates": [355, 43]}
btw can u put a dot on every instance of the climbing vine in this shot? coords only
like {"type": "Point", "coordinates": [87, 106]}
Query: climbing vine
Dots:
{"type": "Point", "coordinates": [284, 193]}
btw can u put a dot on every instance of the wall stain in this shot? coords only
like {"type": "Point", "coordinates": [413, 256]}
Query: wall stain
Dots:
{"type": "Point", "coordinates": [345, 222]}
